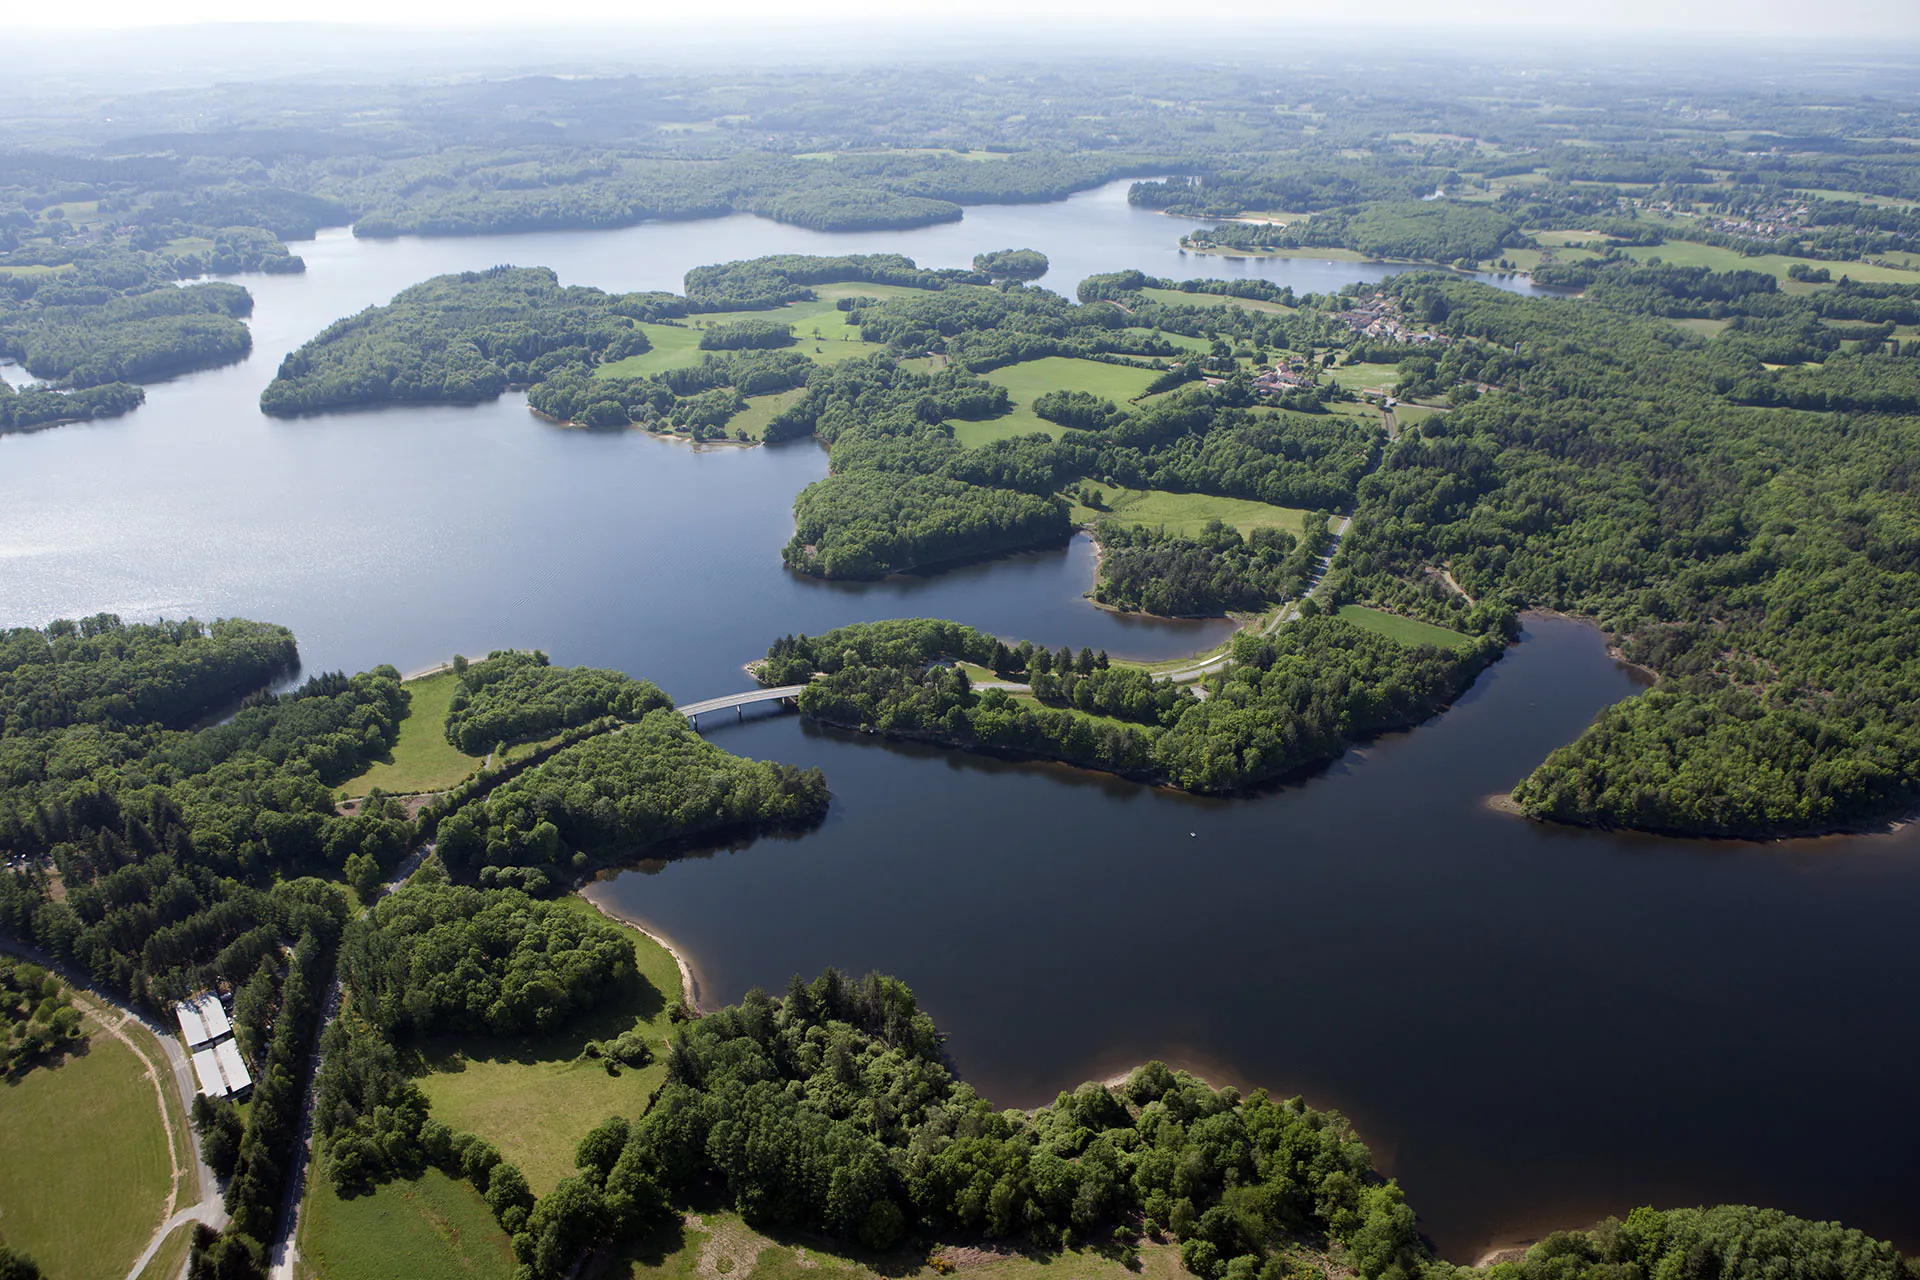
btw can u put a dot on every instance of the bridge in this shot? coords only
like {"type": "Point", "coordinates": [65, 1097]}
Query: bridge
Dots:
{"type": "Point", "coordinates": [785, 693]}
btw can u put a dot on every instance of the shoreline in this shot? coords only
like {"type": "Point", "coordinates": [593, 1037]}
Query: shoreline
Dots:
{"type": "Point", "coordinates": [571, 425]}
{"type": "Point", "coordinates": [689, 983]}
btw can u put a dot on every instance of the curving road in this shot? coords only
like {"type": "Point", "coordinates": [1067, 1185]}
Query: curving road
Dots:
{"type": "Point", "coordinates": [1337, 531]}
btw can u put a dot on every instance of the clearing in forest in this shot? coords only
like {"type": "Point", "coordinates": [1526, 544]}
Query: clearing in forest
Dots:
{"type": "Point", "coordinates": [439, 1225]}
{"type": "Point", "coordinates": [1408, 631]}
{"type": "Point", "coordinates": [422, 759]}
{"type": "Point", "coordinates": [535, 1097]}
{"type": "Point", "coordinates": [820, 331]}
{"type": "Point", "coordinates": [1186, 514]}
{"type": "Point", "coordinates": [1032, 378]}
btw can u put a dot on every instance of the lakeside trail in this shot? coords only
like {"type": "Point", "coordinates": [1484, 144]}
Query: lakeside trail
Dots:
{"type": "Point", "coordinates": [689, 984]}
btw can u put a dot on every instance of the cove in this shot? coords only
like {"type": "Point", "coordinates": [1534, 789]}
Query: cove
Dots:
{"type": "Point", "coordinates": [1533, 1026]}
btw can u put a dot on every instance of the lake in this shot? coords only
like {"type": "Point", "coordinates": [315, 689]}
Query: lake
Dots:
{"type": "Point", "coordinates": [1532, 1026]}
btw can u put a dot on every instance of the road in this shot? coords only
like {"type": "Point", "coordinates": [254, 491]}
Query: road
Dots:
{"type": "Point", "coordinates": [752, 696]}
{"type": "Point", "coordinates": [1285, 614]}
{"type": "Point", "coordinates": [284, 1255]}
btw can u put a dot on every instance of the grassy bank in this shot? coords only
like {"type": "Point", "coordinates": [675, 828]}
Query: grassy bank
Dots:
{"type": "Point", "coordinates": [422, 759]}
{"type": "Point", "coordinates": [535, 1097]}
{"type": "Point", "coordinates": [171, 1257]}
{"type": "Point", "coordinates": [761, 410]}
{"type": "Point", "coordinates": [86, 1172]}
{"type": "Point", "coordinates": [1187, 514]}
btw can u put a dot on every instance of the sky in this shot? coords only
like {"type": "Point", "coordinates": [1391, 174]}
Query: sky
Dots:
{"type": "Point", "coordinates": [1898, 20]}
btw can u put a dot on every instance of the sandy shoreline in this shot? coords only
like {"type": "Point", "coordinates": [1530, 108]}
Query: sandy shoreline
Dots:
{"type": "Point", "coordinates": [689, 984]}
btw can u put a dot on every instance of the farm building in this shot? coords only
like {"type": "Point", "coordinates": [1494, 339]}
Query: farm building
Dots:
{"type": "Point", "coordinates": [202, 1020]}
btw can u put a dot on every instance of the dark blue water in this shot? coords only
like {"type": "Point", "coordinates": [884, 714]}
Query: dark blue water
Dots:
{"type": "Point", "coordinates": [1532, 1026]}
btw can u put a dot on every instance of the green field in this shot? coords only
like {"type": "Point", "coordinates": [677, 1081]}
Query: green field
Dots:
{"type": "Point", "coordinates": [1180, 340]}
{"type": "Point", "coordinates": [1406, 630]}
{"type": "Point", "coordinates": [86, 1170]}
{"type": "Point", "coordinates": [1356, 377]}
{"type": "Point", "coordinates": [677, 346]}
{"type": "Point", "coordinates": [1407, 415]}
{"type": "Point", "coordinates": [1175, 297]}
{"type": "Point", "coordinates": [1704, 327]}
{"type": "Point", "coordinates": [1686, 253]}
{"type": "Point", "coordinates": [432, 1228]}
{"type": "Point", "coordinates": [715, 1244]}
{"type": "Point", "coordinates": [535, 1097]}
{"type": "Point", "coordinates": [1031, 378]}
{"type": "Point", "coordinates": [422, 759]}
{"type": "Point", "coordinates": [760, 411]}
{"type": "Point", "coordinates": [1185, 514]}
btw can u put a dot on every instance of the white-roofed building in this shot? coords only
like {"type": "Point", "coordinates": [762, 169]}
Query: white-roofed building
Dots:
{"type": "Point", "coordinates": [214, 1014]}
{"type": "Point", "coordinates": [232, 1066]}
{"type": "Point", "coordinates": [202, 1019]}
{"type": "Point", "coordinates": [193, 1028]}
{"type": "Point", "coordinates": [206, 1067]}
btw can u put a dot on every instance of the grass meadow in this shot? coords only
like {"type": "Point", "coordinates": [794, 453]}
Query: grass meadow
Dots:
{"type": "Point", "coordinates": [707, 1244]}
{"type": "Point", "coordinates": [1408, 631]}
{"type": "Point", "coordinates": [535, 1097]}
{"type": "Point", "coordinates": [422, 759]}
{"type": "Point", "coordinates": [677, 346]}
{"type": "Point", "coordinates": [1186, 514]}
{"type": "Point", "coordinates": [1030, 378]}
{"type": "Point", "coordinates": [86, 1171]}
{"type": "Point", "coordinates": [431, 1228]}
{"type": "Point", "coordinates": [1175, 297]}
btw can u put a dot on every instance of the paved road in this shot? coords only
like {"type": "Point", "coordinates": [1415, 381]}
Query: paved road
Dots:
{"type": "Point", "coordinates": [693, 709]}
{"type": "Point", "coordinates": [1287, 613]}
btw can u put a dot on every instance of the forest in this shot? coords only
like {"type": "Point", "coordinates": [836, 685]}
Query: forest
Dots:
{"type": "Point", "coordinates": [615, 795]}
{"type": "Point", "coordinates": [1425, 231]}
{"type": "Point", "coordinates": [39, 406]}
{"type": "Point", "coordinates": [511, 696]}
{"type": "Point", "coordinates": [114, 320]}
{"type": "Point", "coordinates": [1290, 700]}
{"type": "Point", "coordinates": [460, 339]}
{"type": "Point", "coordinates": [160, 850]}
{"type": "Point", "coordinates": [1751, 555]}
{"type": "Point", "coordinates": [831, 1109]}
{"type": "Point", "coordinates": [1156, 572]}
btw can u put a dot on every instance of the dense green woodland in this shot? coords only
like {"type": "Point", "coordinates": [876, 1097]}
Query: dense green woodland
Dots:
{"type": "Point", "coordinates": [1155, 572]}
{"type": "Point", "coordinates": [1760, 559]}
{"type": "Point", "coordinates": [110, 321]}
{"type": "Point", "coordinates": [618, 794]}
{"type": "Point", "coordinates": [511, 696]}
{"type": "Point", "coordinates": [831, 1109]}
{"type": "Point", "coordinates": [460, 339]}
{"type": "Point", "coordinates": [38, 1020]}
{"type": "Point", "coordinates": [160, 853]}
{"type": "Point", "coordinates": [1290, 701]}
